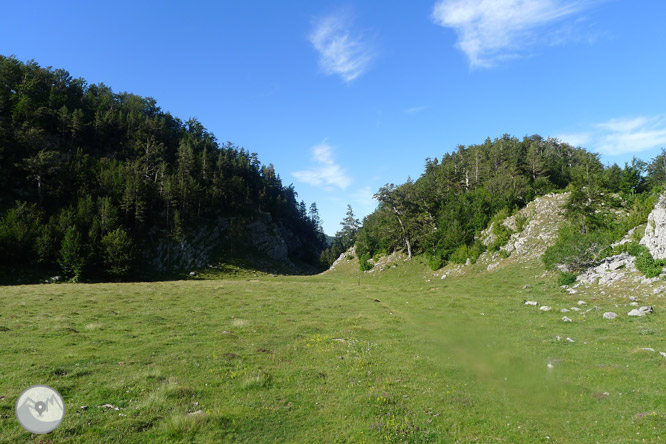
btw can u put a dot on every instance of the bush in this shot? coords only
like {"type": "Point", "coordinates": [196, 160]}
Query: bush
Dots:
{"type": "Point", "coordinates": [502, 233]}
{"type": "Point", "coordinates": [460, 255]}
{"type": "Point", "coordinates": [117, 252]}
{"type": "Point", "coordinates": [363, 262]}
{"type": "Point", "coordinates": [566, 279]}
{"type": "Point", "coordinates": [476, 250]}
{"type": "Point", "coordinates": [504, 254]}
{"type": "Point", "coordinates": [644, 262]}
{"type": "Point", "coordinates": [521, 221]}
{"type": "Point", "coordinates": [435, 262]}
{"type": "Point", "coordinates": [576, 251]}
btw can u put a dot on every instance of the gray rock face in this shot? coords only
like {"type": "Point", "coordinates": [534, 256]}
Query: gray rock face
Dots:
{"type": "Point", "coordinates": [655, 231]}
{"type": "Point", "coordinates": [610, 270]}
{"type": "Point", "coordinates": [235, 235]}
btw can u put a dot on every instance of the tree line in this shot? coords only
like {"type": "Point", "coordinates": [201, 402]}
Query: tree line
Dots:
{"type": "Point", "coordinates": [90, 178]}
{"type": "Point", "coordinates": [441, 214]}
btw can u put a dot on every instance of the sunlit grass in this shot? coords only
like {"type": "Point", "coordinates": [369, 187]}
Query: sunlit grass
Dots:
{"type": "Point", "coordinates": [399, 356]}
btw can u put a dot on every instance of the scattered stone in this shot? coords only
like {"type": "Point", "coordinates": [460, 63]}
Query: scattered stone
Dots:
{"type": "Point", "coordinates": [575, 309]}
{"type": "Point", "coordinates": [572, 291]}
{"type": "Point", "coordinates": [553, 362]}
{"type": "Point", "coordinates": [109, 407]}
{"type": "Point", "coordinates": [526, 286]}
{"type": "Point", "coordinates": [193, 273]}
{"type": "Point", "coordinates": [84, 407]}
{"type": "Point", "coordinates": [633, 298]}
{"type": "Point", "coordinates": [545, 308]}
{"type": "Point", "coordinates": [662, 354]}
{"type": "Point", "coordinates": [338, 340]}
{"type": "Point", "coordinates": [570, 340]}
{"type": "Point", "coordinates": [565, 310]}
{"type": "Point", "coordinates": [531, 303]}
{"type": "Point", "coordinates": [633, 304]}
{"type": "Point", "coordinates": [582, 302]}
{"type": "Point", "coordinates": [443, 276]}
{"type": "Point", "coordinates": [197, 413]}
{"type": "Point", "coordinates": [610, 315]}
{"type": "Point", "coordinates": [566, 319]}
{"type": "Point", "coordinates": [648, 349]}
{"type": "Point", "coordinates": [641, 311]}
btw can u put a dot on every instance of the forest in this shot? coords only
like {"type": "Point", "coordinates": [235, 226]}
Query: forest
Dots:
{"type": "Point", "coordinates": [91, 179]}
{"type": "Point", "coordinates": [441, 214]}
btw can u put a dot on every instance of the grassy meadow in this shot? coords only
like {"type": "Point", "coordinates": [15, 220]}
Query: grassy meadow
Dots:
{"type": "Point", "coordinates": [397, 357]}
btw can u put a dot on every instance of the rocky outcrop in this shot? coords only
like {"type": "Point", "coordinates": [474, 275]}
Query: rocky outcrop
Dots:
{"type": "Point", "coordinates": [233, 236]}
{"type": "Point", "coordinates": [655, 231]}
{"type": "Point", "coordinates": [610, 270]}
{"type": "Point", "coordinates": [543, 219]}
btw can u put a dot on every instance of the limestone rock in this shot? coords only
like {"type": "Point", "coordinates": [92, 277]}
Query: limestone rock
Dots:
{"type": "Point", "coordinates": [655, 231]}
{"type": "Point", "coordinates": [611, 270]}
{"type": "Point", "coordinates": [641, 311]}
{"type": "Point", "coordinates": [610, 315]}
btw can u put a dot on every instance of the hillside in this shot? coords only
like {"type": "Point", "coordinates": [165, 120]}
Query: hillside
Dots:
{"type": "Point", "coordinates": [102, 185]}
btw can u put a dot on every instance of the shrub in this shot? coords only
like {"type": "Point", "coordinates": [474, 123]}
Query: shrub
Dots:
{"type": "Point", "coordinates": [644, 262]}
{"type": "Point", "coordinates": [502, 233]}
{"type": "Point", "coordinates": [435, 262]}
{"type": "Point", "coordinates": [566, 279]}
{"type": "Point", "coordinates": [363, 262]}
{"type": "Point", "coordinates": [576, 251]}
{"type": "Point", "coordinates": [504, 254]}
{"type": "Point", "coordinates": [460, 255]}
{"type": "Point", "coordinates": [476, 250]}
{"type": "Point", "coordinates": [521, 221]}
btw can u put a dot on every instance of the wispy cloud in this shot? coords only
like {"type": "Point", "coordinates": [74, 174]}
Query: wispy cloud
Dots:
{"type": "Point", "coordinates": [342, 50]}
{"type": "Point", "coordinates": [622, 135]}
{"type": "Point", "coordinates": [414, 109]}
{"type": "Point", "coordinates": [364, 201]}
{"type": "Point", "coordinates": [327, 172]}
{"type": "Point", "coordinates": [490, 31]}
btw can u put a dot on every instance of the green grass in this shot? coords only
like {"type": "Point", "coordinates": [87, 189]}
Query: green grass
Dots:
{"type": "Point", "coordinates": [402, 357]}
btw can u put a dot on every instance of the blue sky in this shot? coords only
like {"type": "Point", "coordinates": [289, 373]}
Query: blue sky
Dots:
{"type": "Point", "coordinates": [343, 97]}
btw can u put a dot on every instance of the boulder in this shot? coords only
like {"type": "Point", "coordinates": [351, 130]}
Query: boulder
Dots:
{"type": "Point", "coordinates": [641, 311]}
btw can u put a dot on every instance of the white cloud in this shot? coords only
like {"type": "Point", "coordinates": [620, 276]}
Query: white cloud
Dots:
{"type": "Point", "coordinates": [622, 135]}
{"type": "Point", "coordinates": [341, 50]}
{"type": "Point", "coordinates": [327, 173]}
{"type": "Point", "coordinates": [364, 200]}
{"type": "Point", "coordinates": [490, 31]}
